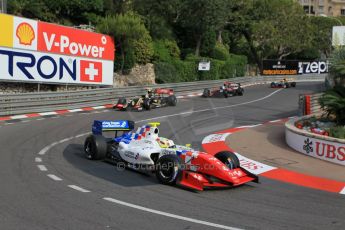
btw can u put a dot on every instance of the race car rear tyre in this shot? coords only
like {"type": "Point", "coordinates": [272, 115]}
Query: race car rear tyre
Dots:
{"type": "Point", "coordinates": [226, 94]}
{"type": "Point", "coordinates": [228, 158]}
{"type": "Point", "coordinates": [95, 147]}
{"type": "Point", "coordinates": [168, 169]}
{"type": "Point", "coordinates": [122, 101]}
{"type": "Point", "coordinates": [206, 93]}
{"type": "Point", "coordinates": [293, 84]}
{"type": "Point", "coordinates": [147, 104]}
{"type": "Point", "coordinates": [172, 100]}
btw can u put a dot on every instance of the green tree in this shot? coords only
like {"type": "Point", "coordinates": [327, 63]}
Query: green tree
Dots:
{"type": "Point", "coordinates": [198, 17]}
{"type": "Point", "coordinates": [127, 30]}
{"type": "Point", "coordinates": [272, 29]}
{"type": "Point", "coordinates": [322, 33]}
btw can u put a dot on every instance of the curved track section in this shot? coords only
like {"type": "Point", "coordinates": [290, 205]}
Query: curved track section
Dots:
{"type": "Point", "coordinates": [55, 187]}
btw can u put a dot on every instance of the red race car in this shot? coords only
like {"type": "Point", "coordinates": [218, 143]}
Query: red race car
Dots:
{"type": "Point", "coordinates": [144, 149]}
{"type": "Point", "coordinates": [228, 89]}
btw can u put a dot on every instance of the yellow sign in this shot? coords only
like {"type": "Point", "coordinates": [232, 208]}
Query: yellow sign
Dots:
{"type": "Point", "coordinates": [6, 34]}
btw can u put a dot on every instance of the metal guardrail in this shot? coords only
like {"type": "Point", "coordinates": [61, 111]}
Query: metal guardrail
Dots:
{"type": "Point", "coordinates": [12, 104]}
{"type": "Point", "coordinates": [309, 104]}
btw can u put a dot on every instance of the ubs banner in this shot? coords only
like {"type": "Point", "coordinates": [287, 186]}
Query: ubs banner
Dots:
{"type": "Point", "coordinates": [35, 51]}
{"type": "Point", "coordinates": [293, 67]}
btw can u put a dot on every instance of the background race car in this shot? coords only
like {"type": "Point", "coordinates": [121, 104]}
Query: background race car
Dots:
{"type": "Point", "coordinates": [283, 84]}
{"type": "Point", "coordinates": [153, 99]}
{"type": "Point", "coordinates": [229, 89]}
{"type": "Point", "coordinates": [145, 150]}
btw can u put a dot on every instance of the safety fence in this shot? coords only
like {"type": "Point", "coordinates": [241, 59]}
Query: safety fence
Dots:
{"type": "Point", "coordinates": [12, 104]}
{"type": "Point", "coordinates": [309, 104]}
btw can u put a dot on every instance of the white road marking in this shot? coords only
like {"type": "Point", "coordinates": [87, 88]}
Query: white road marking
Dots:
{"type": "Point", "coordinates": [83, 134]}
{"type": "Point", "coordinates": [215, 108]}
{"type": "Point", "coordinates": [64, 140]}
{"type": "Point", "coordinates": [18, 117]}
{"type": "Point", "coordinates": [169, 214]}
{"type": "Point", "coordinates": [8, 123]}
{"type": "Point", "coordinates": [342, 191]}
{"type": "Point", "coordinates": [45, 149]}
{"type": "Point", "coordinates": [25, 121]}
{"type": "Point", "coordinates": [38, 159]}
{"type": "Point", "coordinates": [274, 121]}
{"type": "Point", "coordinates": [40, 119]}
{"type": "Point", "coordinates": [56, 178]}
{"type": "Point", "coordinates": [75, 187]}
{"type": "Point", "coordinates": [75, 110]}
{"type": "Point", "coordinates": [99, 107]}
{"type": "Point", "coordinates": [42, 168]}
{"type": "Point", "coordinates": [47, 113]}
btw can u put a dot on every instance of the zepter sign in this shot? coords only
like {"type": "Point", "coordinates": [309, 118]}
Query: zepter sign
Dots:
{"type": "Point", "coordinates": [42, 52]}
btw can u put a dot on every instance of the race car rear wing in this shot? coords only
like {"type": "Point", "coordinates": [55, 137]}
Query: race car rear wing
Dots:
{"type": "Point", "coordinates": [100, 126]}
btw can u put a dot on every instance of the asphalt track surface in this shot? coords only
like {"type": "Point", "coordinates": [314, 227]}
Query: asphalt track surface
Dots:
{"type": "Point", "coordinates": [72, 196]}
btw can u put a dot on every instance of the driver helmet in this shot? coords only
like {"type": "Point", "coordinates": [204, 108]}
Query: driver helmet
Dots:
{"type": "Point", "coordinates": [165, 143]}
{"type": "Point", "coordinates": [149, 92]}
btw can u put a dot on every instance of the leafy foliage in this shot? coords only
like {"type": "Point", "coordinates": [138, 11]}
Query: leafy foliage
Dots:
{"type": "Point", "coordinates": [333, 102]}
{"type": "Point", "coordinates": [133, 39]}
{"type": "Point", "coordinates": [337, 67]}
{"type": "Point", "coordinates": [166, 50]}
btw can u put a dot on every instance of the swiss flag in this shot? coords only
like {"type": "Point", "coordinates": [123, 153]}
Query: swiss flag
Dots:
{"type": "Point", "coordinates": [90, 71]}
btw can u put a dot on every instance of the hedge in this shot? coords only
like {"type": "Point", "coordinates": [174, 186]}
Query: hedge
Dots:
{"type": "Point", "coordinates": [183, 71]}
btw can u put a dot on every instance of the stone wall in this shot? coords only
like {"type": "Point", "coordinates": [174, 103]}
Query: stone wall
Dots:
{"type": "Point", "coordinates": [14, 88]}
{"type": "Point", "coordinates": [139, 75]}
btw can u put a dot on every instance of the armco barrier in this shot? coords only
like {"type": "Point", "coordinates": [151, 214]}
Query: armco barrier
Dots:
{"type": "Point", "coordinates": [309, 104]}
{"type": "Point", "coordinates": [12, 104]}
{"type": "Point", "coordinates": [314, 145]}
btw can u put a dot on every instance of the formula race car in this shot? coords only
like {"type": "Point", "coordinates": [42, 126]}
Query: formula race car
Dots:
{"type": "Point", "coordinates": [229, 89]}
{"type": "Point", "coordinates": [153, 99]}
{"type": "Point", "coordinates": [283, 84]}
{"type": "Point", "coordinates": [145, 150]}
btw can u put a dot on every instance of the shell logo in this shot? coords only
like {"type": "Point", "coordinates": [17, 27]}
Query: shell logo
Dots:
{"type": "Point", "coordinates": [25, 33]}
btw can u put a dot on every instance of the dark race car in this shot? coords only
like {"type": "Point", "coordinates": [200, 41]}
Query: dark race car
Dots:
{"type": "Point", "coordinates": [283, 84]}
{"type": "Point", "coordinates": [144, 150]}
{"type": "Point", "coordinates": [153, 99]}
{"type": "Point", "coordinates": [229, 89]}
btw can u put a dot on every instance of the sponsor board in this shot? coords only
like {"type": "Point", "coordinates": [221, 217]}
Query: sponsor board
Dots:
{"type": "Point", "coordinates": [35, 51]}
{"type": "Point", "coordinates": [31, 66]}
{"type": "Point", "coordinates": [307, 67]}
{"type": "Point", "coordinates": [318, 148]}
{"type": "Point", "coordinates": [279, 67]}
{"type": "Point", "coordinates": [252, 166]}
{"type": "Point", "coordinates": [293, 67]}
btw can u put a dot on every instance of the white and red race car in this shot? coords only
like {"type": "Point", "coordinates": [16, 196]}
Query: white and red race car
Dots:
{"type": "Point", "coordinates": [144, 149]}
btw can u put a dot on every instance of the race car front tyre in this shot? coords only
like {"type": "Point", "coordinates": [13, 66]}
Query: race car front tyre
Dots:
{"type": "Point", "coordinates": [273, 84]}
{"type": "Point", "coordinates": [147, 104]}
{"type": "Point", "coordinates": [240, 92]}
{"type": "Point", "coordinates": [293, 84]}
{"type": "Point", "coordinates": [95, 147]}
{"type": "Point", "coordinates": [228, 158]}
{"type": "Point", "coordinates": [172, 100]}
{"type": "Point", "coordinates": [168, 169]}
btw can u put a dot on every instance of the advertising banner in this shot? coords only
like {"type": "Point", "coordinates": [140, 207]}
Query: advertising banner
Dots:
{"type": "Point", "coordinates": [279, 67]}
{"type": "Point", "coordinates": [35, 51]}
{"type": "Point", "coordinates": [293, 67]}
{"type": "Point", "coordinates": [318, 148]}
